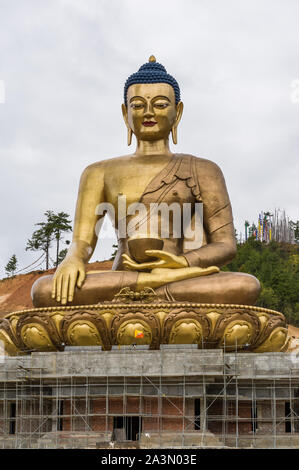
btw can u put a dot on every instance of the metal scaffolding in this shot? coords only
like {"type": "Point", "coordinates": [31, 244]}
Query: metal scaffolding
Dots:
{"type": "Point", "coordinates": [215, 407]}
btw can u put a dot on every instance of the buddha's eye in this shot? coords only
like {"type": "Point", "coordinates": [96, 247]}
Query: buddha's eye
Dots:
{"type": "Point", "coordinates": [137, 105]}
{"type": "Point", "coordinates": [161, 105]}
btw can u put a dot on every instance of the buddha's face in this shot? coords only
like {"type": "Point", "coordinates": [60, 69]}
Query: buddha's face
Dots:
{"type": "Point", "coordinates": [151, 110]}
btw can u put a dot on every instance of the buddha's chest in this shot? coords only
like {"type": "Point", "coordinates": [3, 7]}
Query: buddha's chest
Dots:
{"type": "Point", "coordinates": [130, 181]}
{"type": "Point", "coordinates": [139, 188]}
{"type": "Point", "coordinates": [159, 182]}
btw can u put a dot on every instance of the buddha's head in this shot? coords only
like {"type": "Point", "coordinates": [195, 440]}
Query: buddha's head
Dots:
{"type": "Point", "coordinates": [152, 107]}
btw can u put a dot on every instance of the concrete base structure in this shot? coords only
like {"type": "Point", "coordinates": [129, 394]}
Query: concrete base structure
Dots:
{"type": "Point", "coordinates": [178, 396]}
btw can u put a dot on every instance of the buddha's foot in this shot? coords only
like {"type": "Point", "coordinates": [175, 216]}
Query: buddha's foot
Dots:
{"type": "Point", "coordinates": [161, 276]}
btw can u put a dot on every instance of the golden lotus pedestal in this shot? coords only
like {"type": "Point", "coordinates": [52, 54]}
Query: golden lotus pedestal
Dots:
{"type": "Point", "coordinates": [139, 318]}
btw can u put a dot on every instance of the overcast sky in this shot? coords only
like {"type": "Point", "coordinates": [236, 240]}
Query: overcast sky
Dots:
{"type": "Point", "coordinates": [64, 64]}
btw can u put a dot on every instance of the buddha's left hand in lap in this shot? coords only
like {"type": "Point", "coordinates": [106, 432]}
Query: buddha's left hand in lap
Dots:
{"type": "Point", "coordinates": [164, 260]}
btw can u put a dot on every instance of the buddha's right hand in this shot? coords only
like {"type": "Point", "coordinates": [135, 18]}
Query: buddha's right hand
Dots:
{"type": "Point", "coordinates": [69, 274]}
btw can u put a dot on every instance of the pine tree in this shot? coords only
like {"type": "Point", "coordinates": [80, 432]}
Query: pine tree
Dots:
{"type": "Point", "coordinates": [49, 231]}
{"type": "Point", "coordinates": [11, 266]}
{"type": "Point", "coordinates": [41, 240]}
{"type": "Point", "coordinates": [60, 224]}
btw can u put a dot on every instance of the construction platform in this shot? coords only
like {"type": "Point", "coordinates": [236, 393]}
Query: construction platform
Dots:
{"type": "Point", "coordinates": [176, 397]}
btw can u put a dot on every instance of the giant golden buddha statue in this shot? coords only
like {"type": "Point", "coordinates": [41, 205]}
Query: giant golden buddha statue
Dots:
{"type": "Point", "coordinates": [152, 110]}
{"type": "Point", "coordinates": [158, 286]}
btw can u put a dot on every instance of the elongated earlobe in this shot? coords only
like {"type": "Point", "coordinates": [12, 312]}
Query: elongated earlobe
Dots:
{"type": "Point", "coordinates": [174, 129]}
{"type": "Point", "coordinates": [174, 134]}
{"type": "Point", "coordinates": [125, 115]}
{"type": "Point", "coordinates": [129, 136]}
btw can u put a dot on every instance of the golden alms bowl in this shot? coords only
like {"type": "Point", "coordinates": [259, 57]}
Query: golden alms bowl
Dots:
{"type": "Point", "coordinates": [138, 246]}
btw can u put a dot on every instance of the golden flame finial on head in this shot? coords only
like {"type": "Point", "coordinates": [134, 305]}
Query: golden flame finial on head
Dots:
{"type": "Point", "coordinates": [152, 58]}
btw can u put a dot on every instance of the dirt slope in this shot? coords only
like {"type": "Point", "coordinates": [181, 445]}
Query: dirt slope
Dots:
{"type": "Point", "coordinates": [15, 292]}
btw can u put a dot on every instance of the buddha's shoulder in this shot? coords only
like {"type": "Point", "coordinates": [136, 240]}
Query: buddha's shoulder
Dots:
{"type": "Point", "coordinates": [102, 165]}
{"type": "Point", "coordinates": [201, 164]}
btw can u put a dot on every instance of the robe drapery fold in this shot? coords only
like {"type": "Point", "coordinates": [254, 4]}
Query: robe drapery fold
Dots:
{"type": "Point", "coordinates": [187, 179]}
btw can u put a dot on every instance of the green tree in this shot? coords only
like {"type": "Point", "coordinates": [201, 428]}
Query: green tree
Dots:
{"type": "Point", "coordinates": [268, 298]}
{"type": "Point", "coordinates": [11, 266]}
{"type": "Point", "coordinates": [276, 265]}
{"type": "Point", "coordinates": [247, 224]}
{"type": "Point", "coordinates": [60, 224]}
{"type": "Point", "coordinates": [50, 230]}
{"type": "Point", "coordinates": [41, 241]}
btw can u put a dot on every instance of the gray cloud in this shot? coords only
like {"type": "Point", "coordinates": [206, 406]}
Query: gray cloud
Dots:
{"type": "Point", "coordinates": [64, 64]}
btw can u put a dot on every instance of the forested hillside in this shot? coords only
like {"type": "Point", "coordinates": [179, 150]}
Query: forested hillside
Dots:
{"type": "Point", "coordinates": [276, 265]}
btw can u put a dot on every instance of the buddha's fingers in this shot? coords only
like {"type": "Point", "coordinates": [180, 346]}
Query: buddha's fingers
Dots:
{"type": "Point", "coordinates": [158, 254]}
{"type": "Point", "coordinates": [71, 289]}
{"type": "Point", "coordinates": [169, 260]}
{"type": "Point", "coordinates": [81, 278]}
{"type": "Point", "coordinates": [64, 290]}
{"type": "Point", "coordinates": [209, 270]}
{"type": "Point", "coordinates": [131, 266]}
{"type": "Point", "coordinates": [58, 288]}
{"type": "Point", "coordinates": [54, 288]}
{"type": "Point", "coordinates": [127, 258]}
{"type": "Point", "coordinates": [142, 266]}
{"type": "Point", "coordinates": [160, 276]}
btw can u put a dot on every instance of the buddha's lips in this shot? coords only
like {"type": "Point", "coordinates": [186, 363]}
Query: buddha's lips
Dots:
{"type": "Point", "coordinates": [149, 123]}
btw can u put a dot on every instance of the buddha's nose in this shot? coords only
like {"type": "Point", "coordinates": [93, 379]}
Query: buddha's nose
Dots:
{"type": "Point", "coordinates": [149, 111]}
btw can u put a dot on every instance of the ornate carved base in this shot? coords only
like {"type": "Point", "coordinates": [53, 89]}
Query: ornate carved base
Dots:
{"type": "Point", "coordinates": [138, 318]}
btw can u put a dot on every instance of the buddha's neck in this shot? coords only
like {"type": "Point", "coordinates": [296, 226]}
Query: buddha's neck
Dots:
{"type": "Point", "coordinates": [157, 147]}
